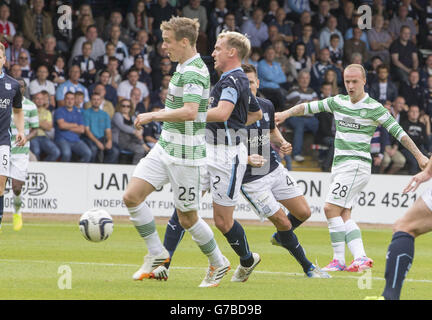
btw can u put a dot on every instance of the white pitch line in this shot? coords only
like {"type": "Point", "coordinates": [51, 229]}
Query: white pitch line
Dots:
{"type": "Point", "coordinates": [291, 274]}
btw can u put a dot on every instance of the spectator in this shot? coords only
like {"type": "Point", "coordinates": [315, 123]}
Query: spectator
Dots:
{"type": "Point", "coordinates": [152, 130]}
{"type": "Point", "coordinates": [400, 20]}
{"type": "Point", "coordinates": [427, 97]}
{"type": "Point", "coordinates": [372, 74]}
{"type": "Point", "coordinates": [156, 92]}
{"type": "Point", "coordinates": [310, 43]}
{"type": "Point", "coordinates": [355, 44]}
{"type": "Point", "coordinates": [160, 11]}
{"type": "Point", "coordinates": [417, 132]}
{"type": "Point", "coordinates": [217, 15]}
{"type": "Point", "coordinates": [137, 106]}
{"type": "Point", "coordinates": [283, 26]}
{"type": "Point", "coordinates": [79, 101]}
{"type": "Point", "coordinates": [84, 21]}
{"type": "Point", "coordinates": [255, 28]}
{"type": "Point", "coordinates": [48, 106]}
{"type": "Point", "coordinates": [327, 31]}
{"type": "Point", "coordinates": [98, 46]}
{"type": "Point", "coordinates": [298, 61]}
{"type": "Point", "coordinates": [110, 51]}
{"type": "Point", "coordinates": [58, 75]}
{"type": "Point", "coordinates": [113, 69]}
{"type": "Point", "coordinates": [356, 58]}
{"type": "Point", "coordinates": [270, 16]}
{"type": "Point", "coordinates": [128, 62]}
{"type": "Point", "coordinates": [345, 20]}
{"type": "Point", "coordinates": [412, 91]}
{"type": "Point", "coordinates": [330, 77]}
{"type": "Point", "coordinates": [124, 133]}
{"type": "Point", "coordinates": [228, 25]}
{"type": "Point", "coordinates": [379, 39]}
{"type": "Point", "coordinates": [326, 130]}
{"type": "Point", "coordinates": [142, 39]}
{"type": "Point", "coordinates": [194, 10]}
{"type": "Point", "coordinates": [273, 36]}
{"type": "Point", "coordinates": [383, 90]}
{"type": "Point", "coordinates": [144, 77]}
{"type": "Point", "coordinates": [111, 93]}
{"type": "Point", "coordinates": [244, 12]}
{"type": "Point", "coordinates": [125, 87]}
{"type": "Point", "coordinates": [297, 28]}
{"type": "Point", "coordinates": [105, 105]}
{"type": "Point", "coordinates": [336, 54]}
{"type": "Point", "coordinates": [399, 109]}
{"type": "Point", "coordinates": [165, 68]}
{"type": "Point", "coordinates": [300, 125]}
{"type": "Point", "coordinates": [7, 28]}
{"type": "Point", "coordinates": [281, 57]}
{"type": "Point", "coordinates": [13, 51]}
{"type": "Point", "coordinates": [71, 85]}
{"type": "Point", "coordinates": [160, 101]}
{"type": "Point", "coordinates": [320, 67]}
{"type": "Point", "coordinates": [320, 19]}
{"type": "Point", "coordinates": [41, 83]}
{"type": "Point", "coordinates": [137, 19]}
{"type": "Point", "coordinates": [272, 79]}
{"type": "Point", "coordinates": [36, 25]}
{"type": "Point", "coordinates": [116, 19]}
{"type": "Point", "coordinates": [404, 56]}
{"type": "Point", "coordinates": [295, 8]}
{"type": "Point", "coordinates": [15, 71]}
{"type": "Point", "coordinates": [426, 72]}
{"type": "Point", "coordinates": [98, 133]}
{"type": "Point", "coordinates": [380, 142]}
{"type": "Point", "coordinates": [48, 54]}
{"type": "Point", "coordinates": [121, 51]}
{"type": "Point", "coordinates": [156, 56]}
{"type": "Point", "coordinates": [349, 34]}
{"type": "Point", "coordinates": [425, 37]}
{"type": "Point", "coordinates": [42, 143]}
{"type": "Point", "coordinates": [24, 63]}
{"type": "Point", "coordinates": [86, 64]}
{"type": "Point", "coordinates": [69, 125]}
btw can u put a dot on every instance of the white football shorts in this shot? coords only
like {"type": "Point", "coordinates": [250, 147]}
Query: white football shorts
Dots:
{"type": "Point", "coordinates": [347, 184]}
{"type": "Point", "coordinates": [158, 170]}
{"type": "Point", "coordinates": [19, 166]}
{"type": "Point", "coordinates": [263, 194]}
{"type": "Point", "coordinates": [427, 198]}
{"type": "Point", "coordinates": [4, 160]}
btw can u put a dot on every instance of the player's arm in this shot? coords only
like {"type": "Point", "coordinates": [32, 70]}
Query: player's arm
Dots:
{"type": "Point", "coordinates": [253, 116]}
{"type": "Point", "coordinates": [407, 142]}
{"type": "Point", "coordinates": [221, 113]}
{"type": "Point", "coordinates": [188, 112]}
{"type": "Point", "coordinates": [32, 134]}
{"type": "Point", "coordinates": [18, 117]}
{"type": "Point", "coordinates": [419, 178]}
{"type": "Point", "coordinates": [277, 138]}
{"type": "Point", "coordinates": [297, 110]}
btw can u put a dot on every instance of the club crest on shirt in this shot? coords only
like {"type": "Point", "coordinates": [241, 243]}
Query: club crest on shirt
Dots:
{"type": "Point", "coordinates": [8, 86]}
{"type": "Point", "coordinates": [363, 113]}
{"type": "Point", "coordinates": [266, 116]}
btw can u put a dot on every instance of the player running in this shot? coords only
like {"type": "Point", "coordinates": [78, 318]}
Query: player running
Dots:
{"type": "Point", "coordinates": [416, 221]}
{"type": "Point", "coordinates": [265, 188]}
{"type": "Point", "coordinates": [10, 101]}
{"type": "Point", "coordinates": [356, 118]}
{"type": "Point", "coordinates": [19, 158]}
{"type": "Point", "coordinates": [179, 155]}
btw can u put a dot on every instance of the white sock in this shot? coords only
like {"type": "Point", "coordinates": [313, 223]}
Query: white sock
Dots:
{"type": "Point", "coordinates": [17, 203]}
{"type": "Point", "coordinates": [143, 221]}
{"type": "Point", "coordinates": [337, 236]}
{"type": "Point", "coordinates": [353, 239]}
{"type": "Point", "coordinates": [203, 235]}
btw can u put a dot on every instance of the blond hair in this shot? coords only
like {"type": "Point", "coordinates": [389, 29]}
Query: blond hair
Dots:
{"type": "Point", "coordinates": [237, 41]}
{"type": "Point", "coordinates": [357, 66]}
{"type": "Point", "coordinates": [182, 28]}
{"type": "Point", "coordinates": [3, 49]}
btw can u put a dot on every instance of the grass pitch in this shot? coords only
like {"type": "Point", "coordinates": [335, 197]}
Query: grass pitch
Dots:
{"type": "Point", "coordinates": [35, 261]}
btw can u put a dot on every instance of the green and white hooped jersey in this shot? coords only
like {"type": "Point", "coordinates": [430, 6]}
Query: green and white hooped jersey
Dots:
{"type": "Point", "coordinates": [355, 126]}
{"type": "Point", "coordinates": [184, 142]}
{"type": "Point", "coordinates": [31, 120]}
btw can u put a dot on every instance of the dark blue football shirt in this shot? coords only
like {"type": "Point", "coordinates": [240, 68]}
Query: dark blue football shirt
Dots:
{"type": "Point", "coordinates": [259, 142]}
{"type": "Point", "coordinates": [233, 86]}
{"type": "Point", "coordinates": [10, 97]}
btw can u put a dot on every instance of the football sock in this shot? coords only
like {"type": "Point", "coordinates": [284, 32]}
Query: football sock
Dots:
{"type": "Point", "coordinates": [1, 209]}
{"type": "Point", "coordinates": [337, 236]}
{"type": "Point", "coordinates": [143, 221]}
{"type": "Point", "coordinates": [294, 221]}
{"type": "Point", "coordinates": [400, 255]}
{"type": "Point", "coordinates": [237, 239]}
{"type": "Point", "coordinates": [353, 239]}
{"type": "Point", "coordinates": [203, 235]}
{"type": "Point", "coordinates": [290, 242]}
{"type": "Point", "coordinates": [173, 235]}
{"type": "Point", "coordinates": [17, 202]}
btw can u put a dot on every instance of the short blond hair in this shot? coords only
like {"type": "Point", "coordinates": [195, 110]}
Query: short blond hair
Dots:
{"type": "Point", "coordinates": [3, 49]}
{"type": "Point", "coordinates": [237, 41]}
{"type": "Point", "coordinates": [182, 28]}
{"type": "Point", "coordinates": [357, 66]}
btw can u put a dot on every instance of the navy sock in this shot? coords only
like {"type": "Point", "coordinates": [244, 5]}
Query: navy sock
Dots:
{"type": "Point", "coordinates": [400, 255]}
{"type": "Point", "coordinates": [1, 208]}
{"type": "Point", "coordinates": [173, 235]}
{"type": "Point", "coordinates": [294, 223]}
{"type": "Point", "coordinates": [290, 242]}
{"type": "Point", "coordinates": [237, 239]}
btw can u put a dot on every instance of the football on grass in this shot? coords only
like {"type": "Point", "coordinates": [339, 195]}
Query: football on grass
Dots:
{"type": "Point", "coordinates": [96, 225]}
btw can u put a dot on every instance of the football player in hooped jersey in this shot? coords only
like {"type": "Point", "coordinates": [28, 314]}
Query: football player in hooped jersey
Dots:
{"type": "Point", "coordinates": [356, 118]}
{"type": "Point", "coordinates": [268, 187]}
{"type": "Point", "coordinates": [179, 155]}
{"type": "Point", "coordinates": [10, 101]}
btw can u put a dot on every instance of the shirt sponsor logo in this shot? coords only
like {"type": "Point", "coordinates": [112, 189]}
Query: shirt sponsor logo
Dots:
{"type": "Point", "coordinates": [347, 123]}
{"type": "Point", "coordinates": [4, 103]}
{"type": "Point", "coordinates": [8, 86]}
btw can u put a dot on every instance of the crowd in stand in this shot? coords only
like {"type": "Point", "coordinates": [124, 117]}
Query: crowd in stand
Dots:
{"type": "Point", "coordinates": [90, 81]}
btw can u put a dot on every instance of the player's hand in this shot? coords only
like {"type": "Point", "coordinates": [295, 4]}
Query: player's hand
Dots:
{"type": "Point", "coordinates": [143, 119]}
{"type": "Point", "coordinates": [20, 139]}
{"type": "Point", "coordinates": [423, 162]}
{"type": "Point", "coordinates": [280, 117]}
{"type": "Point", "coordinates": [286, 148]}
{"type": "Point", "coordinates": [256, 161]}
{"type": "Point", "coordinates": [415, 181]}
